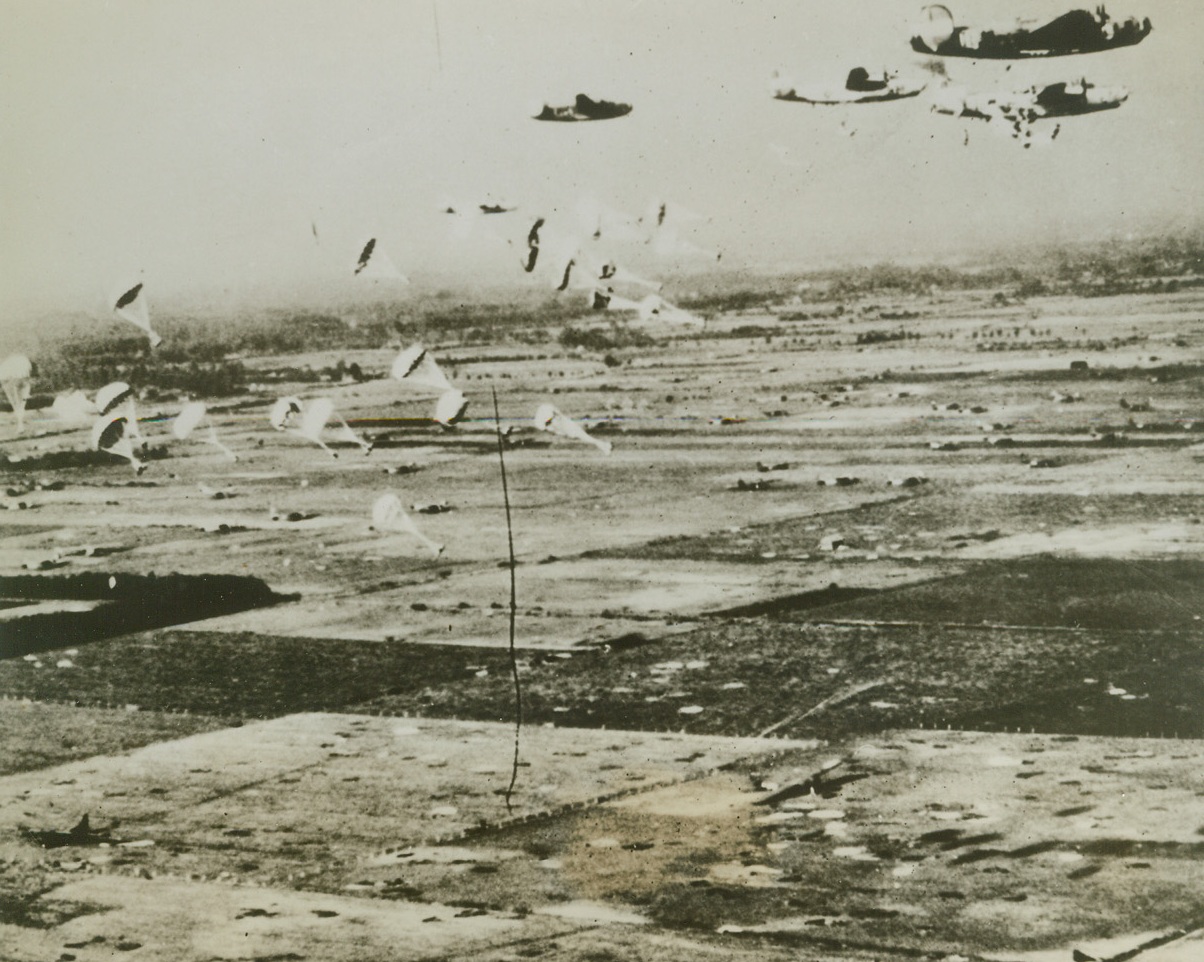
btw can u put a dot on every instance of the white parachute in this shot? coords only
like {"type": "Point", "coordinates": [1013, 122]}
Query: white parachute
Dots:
{"type": "Point", "coordinates": [189, 419]}
{"type": "Point", "coordinates": [117, 398]}
{"type": "Point", "coordinates": [75, 407]}
{"type": "Point", "coordinates": [111, 433]}
{"type": "Point", "coordinates": [416, 368]}
{"type": "Point", "coordinates": [284, 412]}
{"type": "Point", "coordinates": [665, 221]}
{"type": "Point", "coordinates": [604, 223]}
{"type": "Point", "coordinates": [654, 307]}
{"type": "Point", "coordinates": [550, 252]}
{"type": "Point", "coordinates": [608, 300]}
{"type": "Point", "coordinates": [375, 265]}
{"type": "Point", "coordinates": [547, 418]}
{"type": "Point", "coordinates": [129, 303]}
{"type": "Point", "coordinates": [16, 377]}
{"type": "Point", "coordinates": [390, 517]}
{"type": "Point", "coordinates": [584, 273]}
{"type": "Point", "coordinates": [451, 407]}
{"type": "Point", "coordinates": [310, 419]}
{"type": "Point", "coordinates": [612, 273]}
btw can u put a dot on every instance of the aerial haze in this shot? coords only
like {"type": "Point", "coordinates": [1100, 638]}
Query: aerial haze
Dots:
{"type": "Point", "coordinates": [230, 150]}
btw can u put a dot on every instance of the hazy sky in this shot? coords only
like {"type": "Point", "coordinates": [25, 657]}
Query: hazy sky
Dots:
{"type": "Point", "coordinates": [193, 144]}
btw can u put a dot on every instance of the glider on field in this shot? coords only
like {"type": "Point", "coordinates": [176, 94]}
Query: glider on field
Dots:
{"type": "Point", "coordinates": [16, 377]}
{"type": "Point", "coordinates": [130, 305]}
{"type": "Point", "coordinates": [1079, 31]}
{"type": "Point", "coordinates": [547, 418]}
{"type": "Point", "coordinates": [389, 517]}
{"type": "Point", "coordinates": [859, 88]}
{"type": "Point", "coordinates": [374, 264]}
{"type": "Point", "coordinates": [111, 433]}
{"type": "Point", "coordinates": [584, 108]}
{"type": "Point", "coordinates": [187, 421]}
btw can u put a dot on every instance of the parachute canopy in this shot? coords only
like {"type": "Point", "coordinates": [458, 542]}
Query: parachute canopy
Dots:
{"type": "Point", "coordinates": [608, 300]}
{"type": "Point", "coordinates": [73, 407]}
{"type": "Point", "coordinates": [117, 397]}
{"type": "Point", "coordinates": [130, 305]}
{"type": "Point", "coordinates": [284, 412]}
{"type": "Point", "coordinates": [112, 395]}
{"type": "Point", "coordinates": [415, 367]}
{"type": "Point", "coordinates": [189, 419]}
{"type": "Point", "coordinates": [390, 517]}
{"type": "Point", "coordinates": [308, 420]}
{"type": "Point", "coordinates": [548, 418]}
{"type": "Point", "coordinates": [16, 377]}
{"type": "Point", "coordinates": [451, 407]}
{"type": "Point", "coordinates": [375, 264]}
{"type": "Point", "coordinates": [186, 421]}
{"type": "Point", "coordinates": [654, 307]}
{"type": "Point", "coordinates": [111, 433]}
{"type": "Point", "coordinates": [314, 416]}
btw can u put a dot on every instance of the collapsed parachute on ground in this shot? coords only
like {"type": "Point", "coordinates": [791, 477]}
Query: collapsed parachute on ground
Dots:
{"type": "Point", "coordinates": [859, 88]}
{"type": "Point", "coordinates": [117, 397]}
{"type": "Point", "coordinates": [451, 408]}
{"type": "Point", "coordinates": [375, 265]}
{"type": "Point", "coordinates": [584, 108]}
{"type": "Point", "coordinates": [130, 305]}
{"type": "Point", "coordinates": [1078, 31]}
{"type": "Point", "coordinates": [415, 367]}
{"type": "Point", "coordinates": [189, 419]}
{"type": "Point", "coordinates": [548, 418]}
{"type": "Point", "coordinates": [390, 517]}
{"type": "Point", "coordinates": [16, 377]}
{"type": "Point", "coordinates": [111, 433]}
{"type": "Point", "coordinates": [73, 408]}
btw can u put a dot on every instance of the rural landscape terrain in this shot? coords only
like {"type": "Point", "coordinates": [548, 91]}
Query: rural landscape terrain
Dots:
{"type": "Point", "coordinates": [876, 636]}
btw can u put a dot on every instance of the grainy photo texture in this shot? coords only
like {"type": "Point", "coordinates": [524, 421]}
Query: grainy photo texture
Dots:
{"type": "Point", "coordinates": [601, 481]}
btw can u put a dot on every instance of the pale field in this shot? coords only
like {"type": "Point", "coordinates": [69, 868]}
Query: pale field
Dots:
{"type": "Point", "coordinates": [643, 827]}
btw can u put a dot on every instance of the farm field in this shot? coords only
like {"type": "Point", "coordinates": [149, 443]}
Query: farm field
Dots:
{"type": "Point", "coordinates": [877, 635]}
